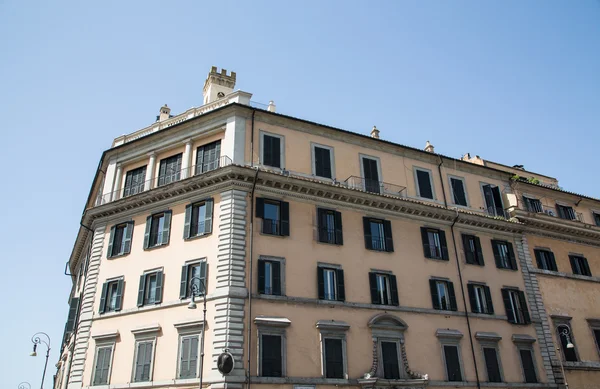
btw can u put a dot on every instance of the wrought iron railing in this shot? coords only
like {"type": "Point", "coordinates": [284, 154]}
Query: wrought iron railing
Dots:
{"type": "Point", "coordinates": [271, 226]}
{"type": "Point", "coordinates": [575, 216]}
{"type": "Point", "coordinates": [496, 212]}
{"type": "Point", "coordinates": [378, 243]}
{"type": "Point", "coordinates": [326, 235]}
{"type": "Point", "coordinates": [373, 186]}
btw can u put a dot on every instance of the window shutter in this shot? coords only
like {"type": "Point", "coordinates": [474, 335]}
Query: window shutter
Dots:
{"type": "Point", "coordinates": [339, 236]}
{"type": "Point", "coordinates": [497, 254]}
{"type": "Point", "coordinates": [183, 288]}
{"type": "Point", "coordinates": [367, 231]}
{"type": "Point", "coordinates": [321, 283]}
{"type": "Point", "coordinates": [489, 197]}
{"type": "Point", "coordinates": [147, 361]}
{"type": "Point", "coordinates": [102, 307]}
{"type": "Point", "coordinates": [72, 317]}
{"type": "Point", "coordinates": [586, 267]}
{"type": "Point", "coordinates": [573, 264]}
{"type": "Point", "coordinates": [373, 284]}
{"type": "Point", "coordinates": [434, 294]}
{"type": "Point", "coordinates": [469, 255]}
{"type": "Point", "coordinates": [571, 213]}
{"type": "Point", "coordinates": [276, 267]}
{"type": "Point", "coordinates": [478, 251]}
{"type": "Point", "coordinates": [285, 219]}
{"type": "Point", "coordinates": [208, 219]}
{"type": "Point", "coordinates": [444, 244]}
{"type": "Point", "coordinates": [261, 276]}
{"type": "Point", "coordinates": [528, 366]}
{"type": "Point", "coordinates": [110, 241]}
{"type": "Point", "coordinates": [511, 256]}
{"type": "Point", "coordinates": [508, 307]}
{"type": "Point", "coordinates": [341, 292]}
{"type": "Point", "coordinates": [127, 239]}
{"type": "Point", "coordinates": [140, 300]}
{"type": "Point", "coordinates": [199, 159]}
{"type": "Point", "coordinates": [538, 259]}
{"type": "Point", "coordinates": [260, 207]}
{"type": "Point", "coordinates": [497, 201]}
{"type": "Point", "coordinates": [488, 300]}
{"type": "Point", "coordinates": [139, 363]}
{"type": "Point", "coordinates": [425, 241]}
{"type": "Point", "coordinates": [100, 356]}
{"type": "Point", "coordinates": [394, 290]}
{"type": "Point", "coordinates": [425, 189]}
{"type": "Point", "coordinates": [120, 286]}
{"type": "Point", "coordinates": [166, 232]}
{"type": "Point", "coordinates": [267, 150]}
{"type": "Point", "coordinates": [322, 225]}
{"type": "Point", "coordinates": [452, 363]}
{"type": "Point", "coordinates": [472, 299]}
{"type": "Point", "coordinates": [187, 222]}
{"type": "Point", "coordinates": [159, 287]}
{"type": "Point", "coordinates": [459, 192]}
{"type": "Point", "coordinates": [524, 310]}
{"type": "Point", "coordinates": [204, 276]}
{"type": "Point", "coordinates": [553, 266]}
{"type": "Point", "coordinates": [184, 370]}
{"type": "Point", "coordinates": [491, 364]}
{"type": "Point", "coordinates": [276, 152]}
{"type": "Point", "coordinates": [147, 232]}
{"type": "Point", "coordinates": [193, 361]}
{"type": "Point", "coordinates": [453, 306]}
{"type": "Point", "coordinates": [389, 241]}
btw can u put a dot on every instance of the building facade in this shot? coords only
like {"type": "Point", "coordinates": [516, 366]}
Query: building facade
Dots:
{"type": "Point", "coordinates": [327, 258]}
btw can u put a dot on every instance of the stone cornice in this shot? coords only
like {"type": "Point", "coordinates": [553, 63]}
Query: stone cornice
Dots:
{"type": "Point", "coordinates": [552, 227]}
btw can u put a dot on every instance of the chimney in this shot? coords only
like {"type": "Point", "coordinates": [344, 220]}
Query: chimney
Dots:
{"type": "Point", "coordinates": [165, 113]}
{"type": "Point", "coordinates": [428, 147]}
{"type": "Point", "coordinates": [217, 85]}
{"type": "Point", "coordinates": [375, 132]}
{"type": "Point", "coordinates": [272, 107]}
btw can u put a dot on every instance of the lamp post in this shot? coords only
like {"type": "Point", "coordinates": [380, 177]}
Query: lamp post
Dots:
{"type": "Point", "coordinates": [24, 385]}
{"type": "Point", "coordinates": [566, 330]}
{"type": "Point", "coordinates": [197, 287]}
{"type": "Point", "coordinates": [35, 339]}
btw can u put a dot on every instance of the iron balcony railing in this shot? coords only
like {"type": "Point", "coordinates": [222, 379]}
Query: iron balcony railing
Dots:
{"type": "Point", "coordinates": [372, 186]}
{"type": "Point", "coordinates": [575, 216]}
{"type": "Point", "coordinates": [168, 177]}
{"type": "Point", "coordinates": [271, 227]}
{"type": "Point", "coordinates": [326, 235]}
{"type": "Point", "coordinates": [496, 212]}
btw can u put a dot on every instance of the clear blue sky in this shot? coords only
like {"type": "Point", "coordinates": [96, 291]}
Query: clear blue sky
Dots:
{"type": "Point", "coordinates": [516, 82]}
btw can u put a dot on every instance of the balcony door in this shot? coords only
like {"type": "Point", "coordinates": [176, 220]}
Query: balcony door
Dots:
{"type": "Point", "coordinates": [371, 175]}
{"type": "Point", "coordinates": [493, 200]}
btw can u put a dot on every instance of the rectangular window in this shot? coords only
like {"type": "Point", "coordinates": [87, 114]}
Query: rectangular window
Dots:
{"type": "Point", "coordinates": [472, 248]}
{"type": "Point", "coordinates": [545, 259]}
{"type": "Point", "coordinates": [580, 265]}
{"type": "Point", "coordinates": [208, 157]}
{"type": "Point", "coordinates": [481, 298]}
{"type": "Point", "coordinates": [528, 365]}
{"type": "Point", "coordinates": [112, 296]}
{"type": "Point", "coordinates": [193, 273]}
{"type": "Point", "coordinates": [134, 181]}
{"type": "Point", "coordinates": [459, 195]}
{"type": "Point", "coordinates": [188, 356]}
{"type": "Point", "coordinates": [322, 161]}
{"type": "Point", "coordinates": [565, 336]}
{"type": "Point", "coordinates": [515, 304]}
{"type": "Point", "coordinates": [424, 183]}
{"type": "Point", "coordinates": [493, 200]}
{"type": "Point", "coordinates": [384, 289]}
{"type": "Point", "coordinates": [334, 358]}
{"type": "Point", "coordinates": [120, 239]}
{"type": "Point", "coordinates": [198, 219]}
{"type": "Point", "coordinates": [330, 226]}
{"type": "Point", "coordinates": [378, 234]}
{"type": "Point", "coordinates": [597, 338]}
{"type": "Point", "coordinates": [492, 364]}
{"type": "Point", "coordinates": [143, 361]}
{"type": "Point", "coordinates": [370, 167]}
{"type": "Point", "coordinates": [596, 218]}
{"type": "Point", "coordinates": [434, 243]}
{"type": "Point", "coordinates": [331, 283]}
{"type": "Point", "coordinates": [102, 365]}
{"type": "Point", "coordinates": [565, 212]}
{"type": "Point", "coordinates": [272, 150]}
{"type": "Point", "coordinates": [150, 290]}
{"type": "Point", "coordinates": [504, 255]}
{"type": "Point", "coordinates": [452, 359]}
{"type": "Point", "coordinates": [271, 355]}
{"type": "Point", "coordinates": [442, 295]}
{"type": "Point", "coordinates": [169, 170]}
{"type": "Point", "coordinates": [269, 277]}
{"type": "Point", "coordinates": [275, 216]}
{"type": "Point", "coordinates": [389, 354]}
{"type": "Point", "coordinates": [158, 227]}
{"type": "Point", "coordinates": [532, 205]}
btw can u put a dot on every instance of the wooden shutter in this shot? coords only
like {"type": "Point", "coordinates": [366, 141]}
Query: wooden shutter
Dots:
{"type": "Point", "coordinates": [528, 366]}
{"type": "Point", "coordinates": [321, 283]}
{"type": "Point", "coordinates": [208, 219]}
{"type": "Point", "coordinates": [260, 207]}
{"type": "Point", "coordinates": [193, 360]}
{"type": "Point", "coordinates": [479, 252]}
{"type": "Point", "coordinates": [120, 286]}
{"type": "Point", "coordinates": [425, 241]}
{"type": "Point", "coordinates": [322, 225]}
{"type": "Point", "coordinates": [141, 290]}
{"type": "Point", "coordinates": [276, 268]}
{"type": "Point", "coordinates": [204, 276]}
{"type": "Point", "coordinates": [341, 292]}
{"type": "Point", "coordinates": [472, 298]}
{"type": "Point", "coordinates": [102, 307]}
{"type": "Point", "coordinates": [127, 239]}
{"type": "Point", "coordinates": [183, 286]}
{"type": "Point", "coordinates": [367, 232]}
{"type": "Point", "coordinates": [166, 232]}
{"type": "Point", "coordinates": [538, 259]}
{"type": "Point", "coordinates": [373, 285]}
{"type": "Point", "coordinates": [387, 231]}
{"type": "Point", "coordinates": [586, 267]}
{"type": "Point", "coordinates": [147, 232]}
{"type": "Point", "coordinates": [334, 359]}
{"type": "Point", "coordinates": [100, 358]}
{"type": "Point", "coordinates": [162, 172]}
{"type": "Point", "coordinates": [444, 245]}
{"type": "Point", "coordinates": [267, 150]}
{"type": "Point", "coordinates": [488, 299]}
{"type": "Point", "coordinates": [469, 255]}
{"type": "Point", "coordinates": [199, 159]}
{"type": "Point", "coordinates": [491, 364]}
{"type": "Point", "coordinates": [496, 251]}
{"type": "Point", "coordinates": [452, 363]}
{"type": "Point", "coordinates": [510, 313]}
{"type": "Point", "coordinates": [524, 309]}
{"type": "Point", "coordinates": [110, 242]}
{"type": "Point", "coordinates": [389, 353]}
{"type": "Point", "coordinates": [73, 312]}
{"type": "Point", "coordinates": [424, 182]}
{"type": "Point", "coordinates": [285, 219]}
{"type": "Point", "coordinates": [187, 221]}
{"type": "Point", "coordinates": [489, 198]}
{"type": "Point", "coordinates": [184, 367]}
{"type": "Point", "coordinates": [511, 256]}
{"type": "Point", "coordinates": [459, 192]}
{"type": "Point", "coordinates": [453, 306]}
{"type": "Point", "coordinates": [435, 298]}
{"type": "Point", "coordinates": [498, 201]}
{"type": "Point", "coordinates": [261, 276]}
{"type": "Point", "coordinates": [394, 289]}
{"type": "Point", "coordinates": [339, 236]}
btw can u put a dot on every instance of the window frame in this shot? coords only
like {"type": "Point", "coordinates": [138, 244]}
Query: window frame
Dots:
{"type": "Point", "coordinates": [387, 241]}
{"type": "Point", "coordinates": [509, 250]}
{"type": "Point", "coordinates": [188, 265]}
{"type": "Point", "coordinates": [177, 175]}
{"type": "Point", "coordinates": [314, 145]}
{"type": "Point", "coordinates": [451, 338]}
{"type": "Point", "coordinates": [489, 305]}
{"type": "Point", "coordinates": [281, 261]}
{"type": "Point", "coordinates": [167, 216]}
{"type": "Point", "coordinates": [198, 168]}
{"type": "Point", "coordinates": [187, 229]}
{"type": "Point", "coordinates": [262, 135]}
{"type": "Point", "coordinates": [418, 188]}
{"type": "Point", "coordinates": [478, 258]}
{"type": "Point", "coordinates": [109, 282]}
{"type": "Point", "coordinates": [596, 217]}
{"type": "Point", "coordinates": [565, 321]}
{"type": "Point", "coordinates": [103, 344]}
{"type": "Point", "coordinates": [159, 273]}
{"type": "Point", "coordinates": [496, 207]}
{"type": "Point", "coordinates": [526, 345]}
{"type": "Point", "coordinates": [449, 290]}
{"type": "Point", "coordinates": [561, 206]}
{"type": "Point", "coordinates": [532, 198]}
{"type": "Point", "coordinates": [581, 259]}
{"type": "Point", "coordinates": [514, 291]}
{"type": "Point", "coordinates": [441, 239]}
{"type": "Point", "coordinates": [594, 325]}
{"type": "Point", "coordinates": [490, 340]}
{"type": "Point", "coordinates": [337, 240]}
{"type": "Point", "coordinates": [464, 184]}
{"type": "Point", "coordinates": [138, 340]}
{"type": "Point", "coordinates": [181, 336]}
{"type": "Point", "coordinates": [537, 253]}
{"type": "Point", "coordinates": [329, 329]}
{"type": "Point", "coordinates": [125, 244]}
{"type": "Point", "coordinates": [137, 186]}
{"type": "Point", "coordinates": [362, 172]}
{"type": "Point", "coordinates": [273, 329]}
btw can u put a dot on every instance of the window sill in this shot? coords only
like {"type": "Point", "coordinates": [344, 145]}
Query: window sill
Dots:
{"type": "Point", "coordinates": [566, 275]}
{"type": "Point", "coordinates": [379, 251]}
{"type": "Point", "coordinates": [198, 236]}
{"type": "Point", "coordinates": [438, 259]}
{"type": "Point", "coordinates": [156, 246]}
{"type": "Point", "coordinates": [475, 264]}
{"type": "Point", "coordinates": [118, 256]}
{"type": "Point", "coordinates": [506, 268]}
{"type": "Point", "coordinates": [274, 235]}
{"type": "Point", "coordinates": [330, 243]}
{"type": "Point", "coordinates": [587, 365]}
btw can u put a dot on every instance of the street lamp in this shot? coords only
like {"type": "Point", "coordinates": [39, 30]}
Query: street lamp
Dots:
{"type": "Point", "coordinates": [35, 339]}
{"type": "Point", "coordinates": [566, 330]}
{"type": "Point", "coordinates": [24, 385]}
{"type": "Point", "coordinates": [197, 287]}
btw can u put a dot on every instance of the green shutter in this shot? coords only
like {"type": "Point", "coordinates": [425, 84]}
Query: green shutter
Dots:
{"type": "Point", "coordinates": [339, 236]}
{"type": "Point", "coordinates": [204, 277]}
{"type": "Point", "coordinates": [102, 307]}
{"type": "Point", "coordinates": [425, 241]}
{"type": "Point", "coordinates": [120, 286]}
{"type": "Point", "coordinates": [276, 268]}
{"type": "Point", "coordinates": [147, 232]}
{"type": "Point", "coordinates": [373, 285]}
{"type": "Point", "coordinates": [472, 299]}
{"type": "Point", "coordinates": [453, 306]}
{"type": "Point", "coordinates": [444, 245]}
{"type": "Point", "coordinates": [208, 220]}
{"type": "Point", "coordinates": [469, 255]}
{"type": "Point", "coordinates": [479, 252]}
{"type": "Point", "coordinates": [510, 313]}
{"type": "Point", "coordinates": [488, 300]}
{"type": "Point", "coordinates": [141, 290]}
{"type": "Point", "coordinates": [166, 232]}
{"type": "Point", "coordinates": [260, 207]}
{"type": "Point", "coordinates": [511, 256]}
{"type": "Point", "coordinates": [183, 288]}
{"type": "Point", "coordinates": [127, 239]}
{"type": "Point", "coordinates": [187, 222]}
{"type": "Point", "coordinates": [524, 310]}
{"type": "Point", "coordinates": [110, 242]}
{"type": "Point", "coordinates": [320, 283]}
{"type": "Point", "coordinates": [435, 298]}
{"type": "Point", "coordinates": [495, 244]}
{"type": "Point", "coordinates": [159, 287]}
{"type": "Point", "coordinates": [341, 289]}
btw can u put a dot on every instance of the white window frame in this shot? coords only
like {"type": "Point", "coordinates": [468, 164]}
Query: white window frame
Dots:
{"type": "Point", "coordinates": [183, 335]}
{"type": "Point", "coordinates": [281, 149]}
{"type": "Point", "coordinates": [481, 300]}
{"type": "Point", "coordinates": [313, 160]}
{"type": "Point", "coordinates": [362, 171]}
{"type": "Point", "coordinates": [464, 183]}
{"type": "Point", "coordinates": [444, 284]}
{"type": "Point", "coordinates": [103, 344]}
{"type": "Point", "coordinates": [388, 289]}
{"type": "Point", "coordinates": [525, 342]}
{"type": "Point", "coordinates": [333, 330]}
{"type": "Point", "coordinates": [281, 261]}
{"type": "Point", "coordinates": [450, 337]}
{"type": "Point", "coordinates": [135, 356]}
{"type": "Point", "coordinates": [418, 189]}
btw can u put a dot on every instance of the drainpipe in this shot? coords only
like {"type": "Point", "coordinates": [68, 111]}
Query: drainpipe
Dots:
{"type": "Point", "coordinates": [462, 287]}
{"type": "Point", "coordinates": [251, 253]}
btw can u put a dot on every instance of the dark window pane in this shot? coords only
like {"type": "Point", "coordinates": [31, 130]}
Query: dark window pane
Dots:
{"type": "Point", "coordinates": [117, 247]}
{"type": "Point", "coordinates": [134, 181]}
{"type": "Point", "coordinates": [491, 364]}
{"type": "Point", "coordinates": [377, 235]}
{"type": "Point", "coordinates": [569, 353]}
{"type": "Point", "coordinates": [425, 189]}
{"type": "Point", "coordinates": [391, 367]}
{"type": "Point", "coordinates": [271, 151]}
{"type": "Point", "coordinates": [452, 363]}
{"type": "Point", "coordinates": [458, 191]}
{"type": "Point", "coordinates": [334, 359]}
{"type": "Point", "coordinates": [272, 218]}
{"type": "Point", "coordinates": [271, 356]}
{"type": "Point", "coordinates": [533, 205]}
{"type": "Point", "coordinates": [322, 162]}
{"type": "Point", "coordinates": [371, 175]}
{"type": "Point", "coordinates": [528, 366]}
{"type": "Point", "coordinates": [597, 218]}
{"type": "Point", "coordinates": [169, 170]}
{"type": "Point", "coordinates": [597, 337]}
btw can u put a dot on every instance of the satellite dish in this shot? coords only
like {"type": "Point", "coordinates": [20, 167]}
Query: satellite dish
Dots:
{"type": "Point", "coordinates": [225, 363]}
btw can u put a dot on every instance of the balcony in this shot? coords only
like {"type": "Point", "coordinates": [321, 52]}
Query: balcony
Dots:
{"type": "Point", "coordinates": [551, 211]}
{"type": "Point", "coordinates": [496, 212]}
{"type": "Point", "coordinates": [377, 187]}
{"type": "Point", "coordinates": [162, 180]}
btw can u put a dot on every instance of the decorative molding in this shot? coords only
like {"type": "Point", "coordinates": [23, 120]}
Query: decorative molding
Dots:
{"type": "Point", "coordinates": [488, 336]}
{"type": "Point", "coordinates": [523, 338]}
{"type": "Point", "coordinates": [570, 276]}
{"type": "Point", "coordinates": [150, 329]}
{"type": "Point", "coordinates": [448, 334]}
{"type": "Point", "coordinates": [110, 335]}
{"type": "Point", "coordinates": [189, 325]}
{"type": "Point", "coordinates": [272, 321]}
{"type": "Point", "coordinates": [587, 365]}
{"type": "Point", "coordinates": [331, 325]}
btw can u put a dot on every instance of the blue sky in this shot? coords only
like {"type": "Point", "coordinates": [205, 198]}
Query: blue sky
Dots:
{"type": "Point", "coordinates": [516, 82]}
